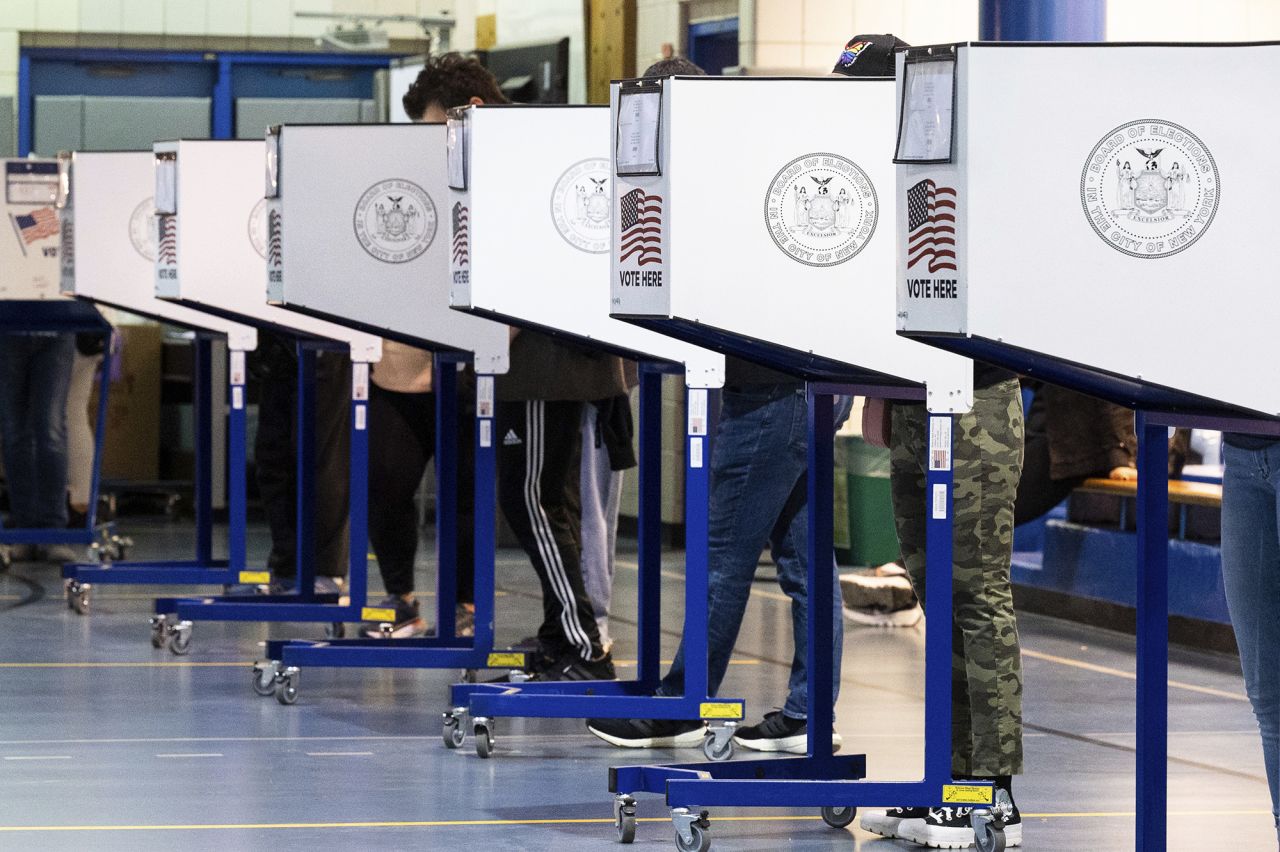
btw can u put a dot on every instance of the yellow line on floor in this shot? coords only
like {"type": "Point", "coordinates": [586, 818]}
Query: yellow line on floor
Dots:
{"type": "Point", "coordinates": [463, 823]}
{"type": "Point", "coordinates": [1107, 670]}
{"type": "Point", "coordinates": [139, 665]}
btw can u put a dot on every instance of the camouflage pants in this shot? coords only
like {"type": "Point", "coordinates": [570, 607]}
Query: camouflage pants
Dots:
{"type": "Point", "coordinates": [986, 697]}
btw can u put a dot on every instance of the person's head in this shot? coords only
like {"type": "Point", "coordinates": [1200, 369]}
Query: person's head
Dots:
{"type": "Point", "coordinates": [676, 66]}
{"type": "Point", "coordinates": [868, 55]}
{"type": "Point", "coordinates": [450, 80]}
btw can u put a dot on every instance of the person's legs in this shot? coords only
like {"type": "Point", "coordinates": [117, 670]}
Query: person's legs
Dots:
{"type": "Point", "coordinates": [274, 453]}
{"type": "Point", "coordinates": [401, 441]}
{"type": "Point", "coordinates": [50, 377]}
{"type": "Point", "coordinates": [1251, 575]}
{"type": "Point", "coordinates": [20, 468]}
{"type": "Point", "coordinates": [758, 454]}
{"type": "Point", "coordinates": [332, 429]}
{"type": "Point", "coordinates": [84, 370]}
{"type": "Point", "coordinates": [1038, 492]}
{"type": "Point", "coordinates": [538, 494]}
{"type": "Point", "coordinates": [597, 486]}
{"type": "Point", "coordinates": [466, 496]}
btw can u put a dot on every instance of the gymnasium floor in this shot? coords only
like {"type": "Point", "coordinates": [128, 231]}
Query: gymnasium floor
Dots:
{"type": "Point", "coordinates": [108, 744]}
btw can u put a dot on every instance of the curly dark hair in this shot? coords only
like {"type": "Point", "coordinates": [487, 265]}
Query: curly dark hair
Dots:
{"type": "Point", "coordinates": [675, 66]}
{"type": "Point", "coordinates": [451, 80]}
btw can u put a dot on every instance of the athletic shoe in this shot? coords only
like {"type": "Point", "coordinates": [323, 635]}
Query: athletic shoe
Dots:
{"type": "Point", "coordinates": [778, 732]}
{"type": "Point", "coordinates": [952, 828]}
{"type": "Point", "coordinates": [881, 597]}
{"type": "Point", "coordinates": [573, 667]}
{"type": "Point", "coordinates": [464, 620]}
{"type": "Point", "coordinates": [885, 823]}
{"type": "Point", "coordinates": [24, 553]}
{"type": "Point", "coordinates": [649, 733]}
{"type": "Point", "coordinates": [408, 621]}
{"type": "Point", "coordinates": [323, 586]}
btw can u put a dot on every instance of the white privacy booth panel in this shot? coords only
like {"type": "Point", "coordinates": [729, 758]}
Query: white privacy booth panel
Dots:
{"type": "Point", "coordinates": [109, 241]}
{"type": "Point", "coordinates": [1100, 210]}
{"type": "Point", "coordinates": [29, 248]}
{"type": "Point", "coordinates": [530, 211]}
{"type": "Point", "coordinates": [367, 242]}
{"type": "Point", "coordinates": [757, 214]}
{"type": "Point", "coordinates": [212, 227]}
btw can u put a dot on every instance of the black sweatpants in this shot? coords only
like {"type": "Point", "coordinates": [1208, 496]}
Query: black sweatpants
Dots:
{"type": "Point", "coordinates": [539, 452]}
{"type": "Point", "coordinates": [275, 456]}
{"type": "Point", "coordinates": [1038, 491]}
{"type": "Point", "coordinates": [402, 435]}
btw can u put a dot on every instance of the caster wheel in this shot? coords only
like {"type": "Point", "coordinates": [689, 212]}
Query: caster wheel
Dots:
{"type": "Point", "coordinates": [470, 676]}
{"type": "Point", "coordinates": [264, 678]}
{"type": "Point", "coordinates": [624, 818]}
{"type": "Point", "coordinates": [453, 734]}
{"type": "Point", "coordinates": [712, 751]}
{"type": "Point", "coordinates": [839, 817]}
{"type": "Point", "coordinates": [159, 630]}
{"type": "Point", "coordinates": [699, 836]}
{"type": "Point", "coordinates": [180, 639]}
{"type": "Point", "coordinates": [336, 630]}
{"type": "Point", "coordinates": [484, 741]}
{"type": "Point", "coordinates": [80, 602]}
{"type": "Point", "coordinates": [287, 687]}
{"type": "Point", "coordinates": [988, 838]}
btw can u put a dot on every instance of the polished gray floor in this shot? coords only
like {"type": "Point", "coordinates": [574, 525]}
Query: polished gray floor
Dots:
{"type": "Point", "coordinates": [106, 743]}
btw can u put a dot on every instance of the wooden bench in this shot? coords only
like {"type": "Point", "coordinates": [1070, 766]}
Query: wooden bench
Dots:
{"type": "Point", "coordinates": [1182, 494]}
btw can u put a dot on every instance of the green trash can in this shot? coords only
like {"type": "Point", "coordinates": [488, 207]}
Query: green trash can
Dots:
{"type": "Point", "coordinates": [871, 537]}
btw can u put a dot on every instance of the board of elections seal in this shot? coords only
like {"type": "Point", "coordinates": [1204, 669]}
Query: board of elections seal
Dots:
{"type": "Point", "coordinates": [142, 228]}
{"type": "Point", "coordinates": [258, 227]}
{"type": "Point", "coordinates": [580, 205]}
{"type": "Point", "coordinates": [395, 220]}
{"type": "Point", "coordinates": [821, 209]}
{"type": "Point", "coordinates": [1150, 188]}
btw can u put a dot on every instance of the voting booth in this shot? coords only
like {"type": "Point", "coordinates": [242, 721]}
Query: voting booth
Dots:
{"type": "Point", "coordinates": [108, 251]}
{"type": "Point", "coordinates": [30, 300]}
{"type": "Point", "coordinates": [366, 245]}
{"type": "Point", "coordinates": [1114, 253]}
{"type": "Point", "coordinates": [755, 215]}
{"type": "Point", "coordinates": [530, 210]}
{"type": "Point", "coordinates": [212, 256]}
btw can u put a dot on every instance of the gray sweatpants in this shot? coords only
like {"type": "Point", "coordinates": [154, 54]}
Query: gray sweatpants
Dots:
{"type": "Point", "coordinates": [601, 499]}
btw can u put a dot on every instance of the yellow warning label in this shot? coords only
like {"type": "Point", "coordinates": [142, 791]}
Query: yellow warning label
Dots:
{"type": "Point", "coordinates": [377, 613]}
{"type": "Point", "coordinates": [254, 577]}
{"type": "Point", "coordinates": [966, 794]}
{"type": "Point", "coordinates": [506, 660]}
{"type": "Point", "coordinates": [720, 710]}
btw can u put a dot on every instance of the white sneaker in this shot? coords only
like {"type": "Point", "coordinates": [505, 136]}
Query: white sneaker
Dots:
{"type": "Point", "coordinates": [885, 823]}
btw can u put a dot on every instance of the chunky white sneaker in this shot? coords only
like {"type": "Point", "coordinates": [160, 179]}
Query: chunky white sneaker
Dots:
{"type": "Point", "coordinates": [885, 823]}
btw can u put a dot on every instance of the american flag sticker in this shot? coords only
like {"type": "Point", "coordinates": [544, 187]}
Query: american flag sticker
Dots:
{"type": "Point", "coordinates": [939, 443]}
{"type": "Point", "coordinates": [37, 225]}
{"type": "Point", "coordinates": [461, 235]}
{"type": "Point", "coordinates": [641, 227]}
{"type": "Point", "coordinates": [168, 242]}
{"type": "Point", "coordinates": [931, 226]}
{"type": "Point", "coordinates": [275, 256]}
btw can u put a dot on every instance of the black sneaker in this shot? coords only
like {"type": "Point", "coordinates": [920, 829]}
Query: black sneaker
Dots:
{"type": "Point", "coordinates": [408, 621]}
{"type": "Point", "coordinates": [779, 732]}
{"type": "Point", "coordinates": [952, 828]}
{"type": "Point", "coordinates": [885, 823]}
{"type": "Point", "coordinates": [649, 733]}
{"type": "Point", "coordinates": [573, 667]}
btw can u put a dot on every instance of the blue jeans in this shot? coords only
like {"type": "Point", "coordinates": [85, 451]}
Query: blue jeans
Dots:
{"type": "Point", "coordinates": [759, 495]}
{"type": "Point", "coordinates": [35, 373]}
{"type": "Point", "coordinates": [1251, 574]}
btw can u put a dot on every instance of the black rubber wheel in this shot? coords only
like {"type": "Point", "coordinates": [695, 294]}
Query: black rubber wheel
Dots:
{"type": "Point", "coordinates": [839, 817]}
{"type": "Point", "coordinates": [264, 681]}
{"type": "Point", "coordinates": [700, 841]}
{"type": "Point", "coordinates": [484, 741]}
{"type": "Point", "coordinates": [287, 691]}
{"type": "Point", "coordinates": [180, 643]}
{"type": "Point", "coordinates": [717, 754]}
{"type": "Point", "coordinates": [624, 821]}
{"type": "Point", "coordinates": [988, 838]}
{"type": "Point", "coordinates": [453, 734]}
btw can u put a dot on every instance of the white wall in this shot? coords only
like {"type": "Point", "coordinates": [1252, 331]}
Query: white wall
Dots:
{"type": "Point", "coordinates": [1193, 20]}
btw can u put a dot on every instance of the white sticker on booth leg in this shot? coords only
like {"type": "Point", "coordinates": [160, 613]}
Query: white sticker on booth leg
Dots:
{"type": "Point", "coordinates": [698, 412]}
{"type": "Point", "coordinates": [237, 368]}
{"type": "Point", "coordinates": [360, 381]}
{"type": "Point", "coordinates": [939, 502]}
{"type": "Point", "coordinates": [486, 433]}
{"type": "Point", "coordinates": [939, 443]}
{"type": "Point", "coordinates": [360, 417]}
{"type": "Point", "coordinates": [484, 396]}
{"type": "Point", "coordinates": [695, 452]}
{"type": "Point", "coordinates": [237, 397]}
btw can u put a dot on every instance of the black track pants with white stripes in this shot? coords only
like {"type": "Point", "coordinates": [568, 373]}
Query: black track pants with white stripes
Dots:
{"type": "Point", "coordinates": [539, 451]}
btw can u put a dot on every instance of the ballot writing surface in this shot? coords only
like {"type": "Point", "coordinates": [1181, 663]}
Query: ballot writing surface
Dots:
{"type": "Point", "coordinates": [528, 221]}
{"type": "Point", "coordinates": [787, 243]}
{"type": "Point", "coordinates": [383, 221]}
{"type": "Point", "coordinates": [1148, 209]}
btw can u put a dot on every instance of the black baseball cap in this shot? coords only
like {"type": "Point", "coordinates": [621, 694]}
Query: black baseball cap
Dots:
{"type": "Point", "coordinates": [869, 55]}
